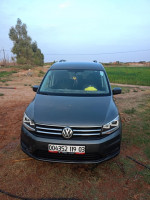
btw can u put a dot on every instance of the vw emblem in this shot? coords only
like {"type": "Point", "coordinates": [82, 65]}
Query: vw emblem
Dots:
{"type": "Point", "coordinates": [67, 132]}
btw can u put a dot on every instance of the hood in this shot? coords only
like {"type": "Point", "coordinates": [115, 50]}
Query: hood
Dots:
{"type": "Point", "coordinates": [72, 111]}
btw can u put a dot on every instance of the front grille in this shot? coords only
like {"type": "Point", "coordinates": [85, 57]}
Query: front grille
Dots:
{"type": "Point", "coordinates": [56, 131]}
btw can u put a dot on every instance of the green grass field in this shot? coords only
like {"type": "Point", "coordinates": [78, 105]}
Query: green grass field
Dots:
{"type": "Point", "coordinates": [4, 75]}
{"type": "Point", "coordinates": [129, 75]}
{"type": "Point", "coordinates": [120, 74]}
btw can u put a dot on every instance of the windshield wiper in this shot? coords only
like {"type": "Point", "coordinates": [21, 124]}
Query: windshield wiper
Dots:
{"type": "Point", "coordinates": [44, 93]}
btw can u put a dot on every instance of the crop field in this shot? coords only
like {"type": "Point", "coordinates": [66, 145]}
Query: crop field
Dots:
{"type": "Point", "coordinates": [129, 75]}
{"type": "Point", "coordinates": [125, 177]}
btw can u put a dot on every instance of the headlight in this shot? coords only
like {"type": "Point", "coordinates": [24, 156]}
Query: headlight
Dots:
{"type": "Point", "coordinates": [28, 123]}
{"type": "Point", "coordinates": [111, 126]}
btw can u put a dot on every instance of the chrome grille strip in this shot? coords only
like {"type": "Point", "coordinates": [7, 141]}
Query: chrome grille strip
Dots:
{"type": "Point", "coordinates": [86, 134]}
{"type": "Point", "coordinates": [63, 126]}
{"type": "Point", "coordinates": [76, 134]}
{"type": "Point", "coordinates": [50, 129]}
{"type": "Point", "coordinates": [86, 130]}
{"type": "Point", "coordinates": [53, 133]}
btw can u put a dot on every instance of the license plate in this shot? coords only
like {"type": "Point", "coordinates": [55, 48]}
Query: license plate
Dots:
{"type": "Point", "coordinates": [53, 148]}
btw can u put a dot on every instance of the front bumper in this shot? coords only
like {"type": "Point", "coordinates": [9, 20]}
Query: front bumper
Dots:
{"type": "Point", "coordinates": [97, 150]}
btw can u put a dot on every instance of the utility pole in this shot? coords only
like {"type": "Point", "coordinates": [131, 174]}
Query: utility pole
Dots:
{"type": "Point", "coordinates": [4, 60]}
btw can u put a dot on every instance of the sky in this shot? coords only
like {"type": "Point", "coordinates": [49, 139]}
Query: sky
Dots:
{"type": "Point", "coordinates": [81, 30]}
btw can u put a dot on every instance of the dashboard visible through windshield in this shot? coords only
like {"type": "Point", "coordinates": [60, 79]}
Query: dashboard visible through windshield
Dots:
{"type": "Point", "coordinates": [75, 82]}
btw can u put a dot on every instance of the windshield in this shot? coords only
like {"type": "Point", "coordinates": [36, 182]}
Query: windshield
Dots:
{"type": "Point", "coordinates": [75, 82]}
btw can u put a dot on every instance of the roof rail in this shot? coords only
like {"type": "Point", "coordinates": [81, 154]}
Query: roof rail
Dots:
{"type": "Point", "coordinates": [62, 61]}
{"type": "Point", "coordinates": [95, 61]}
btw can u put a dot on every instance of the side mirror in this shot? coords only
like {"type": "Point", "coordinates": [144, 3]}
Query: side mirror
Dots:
{"type": "Point", "coordinates": [35, 88]}
{"type": "Point", "coordinates": [116, 90]}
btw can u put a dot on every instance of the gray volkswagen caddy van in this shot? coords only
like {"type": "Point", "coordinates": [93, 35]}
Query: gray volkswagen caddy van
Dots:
{"type": "Point", "coordinates": [73, 117]}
